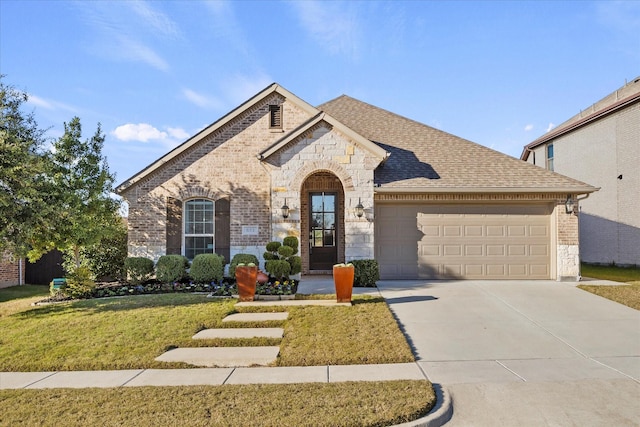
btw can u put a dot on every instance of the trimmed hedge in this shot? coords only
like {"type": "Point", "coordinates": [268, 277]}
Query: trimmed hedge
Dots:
{"type": "Point", "coordinates": [366, 273]}
{"type": "Point", "coordinates": [172, 268]}
{"type": "Point", "coordinates": [206, 268]}
{"type": "Point", "coordinates": [138, 269]}
{"type": "Point", "coordinates": [241, 259]}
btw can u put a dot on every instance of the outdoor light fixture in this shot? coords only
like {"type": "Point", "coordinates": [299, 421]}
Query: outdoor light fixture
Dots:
{"type": "Point", "coordinates": [285, 210]}
{"type": "Point", "coordinates": [359, 209]}
{"type": "Point", "coordinates": [569, 205]}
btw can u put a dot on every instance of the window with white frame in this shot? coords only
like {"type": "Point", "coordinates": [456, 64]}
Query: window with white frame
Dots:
{"type": "Point", "coordinates": [198, 227]}
{"type": "Point", "coordinates": [550, 157]}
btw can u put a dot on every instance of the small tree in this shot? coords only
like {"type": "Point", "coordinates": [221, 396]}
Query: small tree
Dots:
{"type": "Point", "coordinates": [83, 209]}
{"type": "Point", "coordinates": [281, 259]}
{"type": "Point", "coordinates": [24, 190]}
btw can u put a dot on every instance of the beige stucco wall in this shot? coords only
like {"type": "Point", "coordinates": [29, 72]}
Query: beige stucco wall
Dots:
{"type": "Point", "coordinates": [598, 154]}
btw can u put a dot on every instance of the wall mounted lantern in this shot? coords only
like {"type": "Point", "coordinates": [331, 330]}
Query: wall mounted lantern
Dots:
{"type": "Point", "coordinates": [359, 209]}
{"type": "Point", "coordinates": [285, 210]}
{"type": "Point", "coordinates": [569, 205]}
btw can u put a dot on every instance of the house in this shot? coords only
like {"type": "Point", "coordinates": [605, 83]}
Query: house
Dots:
{"type": "Point", "coordinates": [601, 146]}
{"type": "Point", "coordinates": [354, 181]}
{"type": "Point", "coordinates": [12, 271]}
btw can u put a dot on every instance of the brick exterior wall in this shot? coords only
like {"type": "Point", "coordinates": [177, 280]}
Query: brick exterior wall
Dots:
{"type": "Point", "coordinates": [224, 165]}
{"type": "Point", "coordinates": [10, 270]}
{"type": "Point", "coordinates": [598, 154]}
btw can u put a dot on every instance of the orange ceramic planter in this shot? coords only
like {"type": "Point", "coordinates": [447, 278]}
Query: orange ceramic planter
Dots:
{"type": "Point", "coordinates": [343, 281]}
{"type": "Point", "coordinates": [246, 279]}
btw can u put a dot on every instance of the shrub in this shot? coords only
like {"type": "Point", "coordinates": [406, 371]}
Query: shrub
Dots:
{"type": "Point", "coordinates": [172, 268]}
{"type": "Point", "coordinates": [206, 268]}
{"type": "Point", "coordinates": [138, 269]}
{"type": "Point", "coordinates": [106, 258]}
{"type": "Point", "coordinates": [366, 273]}
{"type": "Point", "coordinates": [278, 268]}
{"type": "Point", "coordinates": [241, 259]}
{"type": "Point", "coordinates": [278, 254]}
{"type": "Point", "coordinates": [80, 283]}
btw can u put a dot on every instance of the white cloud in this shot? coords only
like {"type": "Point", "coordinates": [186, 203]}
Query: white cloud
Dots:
{"type": "Point", "coordinates": [528, 128]}
{"type": "Point", "coordinates": [551, 126]}
{"type": "Point", "coordinates": [143, 132]}
{"type": "Point", "coordinates": [126, 36]}
{"type": "Point", "coordinates": [48, 104]}
{"type": "Point", "coordinates": [201, 100]}
{"type": "Point", "coordinates": [168, 138]}
{"type": "Point", "coordinates": [178, 133]}
{"type": "Point", "coordinates": [334, 27]}
{"type": "Point", "coordinates": [158, 21]}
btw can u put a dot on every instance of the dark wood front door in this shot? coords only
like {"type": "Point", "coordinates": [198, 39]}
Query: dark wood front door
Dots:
{"type": "Point", "coordinates": [323, 233]}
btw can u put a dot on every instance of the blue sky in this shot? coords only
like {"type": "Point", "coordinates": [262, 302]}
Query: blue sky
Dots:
{"type": "Point", "coordinates": [153, 73]}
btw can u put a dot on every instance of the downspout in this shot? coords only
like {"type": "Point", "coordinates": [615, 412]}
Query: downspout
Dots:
{"type": "Point", "coordinates": [578, 199]}
{"type": "Point", "coordinates": [20, 281]}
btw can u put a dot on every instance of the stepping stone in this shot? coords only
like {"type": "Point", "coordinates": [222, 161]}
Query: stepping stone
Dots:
{"type": "Point", "coordinates": [255, 317]}
{"type": "Point", "coordinates": [226, 357]}
{"type": "Point", "coordinates": [239, 333]}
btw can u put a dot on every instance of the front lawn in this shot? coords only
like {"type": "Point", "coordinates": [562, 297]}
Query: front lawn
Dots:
{"type": "Point", "coordinates": [336, 404]}
{"type": "Point", "coordinates": [130, 332]}
{"type": "Point", "coordinates": [627, 294]}
{"type": "Point", "coordinates": [611, 272]}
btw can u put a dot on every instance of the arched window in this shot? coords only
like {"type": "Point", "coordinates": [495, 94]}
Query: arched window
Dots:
{"type": "Point", "coordinates": [199, 227]}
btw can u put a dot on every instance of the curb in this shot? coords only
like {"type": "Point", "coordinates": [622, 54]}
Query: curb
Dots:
{"type": "Point", "coordinates": [439, 415]}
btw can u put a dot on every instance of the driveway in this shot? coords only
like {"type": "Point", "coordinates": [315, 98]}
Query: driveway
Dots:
{"type": "Point", "coordinates": [527, 353]}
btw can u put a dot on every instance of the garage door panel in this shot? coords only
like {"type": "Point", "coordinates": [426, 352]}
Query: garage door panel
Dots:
{"type": "Point", "coordinates": [463, 241]}
{"type": "Point", "coordinates": [495, 250]}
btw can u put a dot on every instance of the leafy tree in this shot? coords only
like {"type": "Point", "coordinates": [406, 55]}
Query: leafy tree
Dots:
{"type": "Point", "coordinates": [24, 196]}
{"type": "Point", "coordinates": [85, 213]}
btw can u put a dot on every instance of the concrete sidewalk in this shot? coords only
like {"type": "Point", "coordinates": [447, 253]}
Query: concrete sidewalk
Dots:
{"type": "Point", "coordinates": [210, 376]}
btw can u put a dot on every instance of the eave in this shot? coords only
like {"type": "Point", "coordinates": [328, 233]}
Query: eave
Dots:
{"type": "Point", "coordinates": [273, 88]}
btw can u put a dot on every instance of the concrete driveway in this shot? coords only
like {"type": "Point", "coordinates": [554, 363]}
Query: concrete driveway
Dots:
{"type": "Point", "coordinates": [526, 353]}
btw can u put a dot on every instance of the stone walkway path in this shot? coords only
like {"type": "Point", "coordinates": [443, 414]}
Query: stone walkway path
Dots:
{"type": "Point", "coordinates": [232, 357]}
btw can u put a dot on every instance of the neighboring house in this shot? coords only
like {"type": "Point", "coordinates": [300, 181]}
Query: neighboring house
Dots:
{"type": "Point", "coordinates": [601, 146]}
{"type": "Point", "coordinates": [433, 205]}
{"type": "Point", "coordinates": [11, 270]}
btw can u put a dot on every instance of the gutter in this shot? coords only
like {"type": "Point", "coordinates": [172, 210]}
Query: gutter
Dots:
{"type": "Point", "coordinates": [492, 190]}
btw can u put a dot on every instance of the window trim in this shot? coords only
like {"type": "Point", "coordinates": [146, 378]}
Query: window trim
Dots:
{"type": "Point", "coordinates": [549, 161]}
{"type": "Point", "coordinates": [186, 235]}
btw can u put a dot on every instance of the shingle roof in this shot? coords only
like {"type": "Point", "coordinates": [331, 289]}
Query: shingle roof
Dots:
{"type": "Point", "coordinates": [427, 159]}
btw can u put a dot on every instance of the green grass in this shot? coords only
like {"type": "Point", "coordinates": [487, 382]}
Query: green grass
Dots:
{"type": "Point", "coordinates": [19, 298]}
{"type": "Point", "coordinates": [335, 404]}
{"type": "Point", "coordinates": [365, 333]}
{"type": "Point", "coordinates": [130, 332]}
{"type": "Point", "coordinates": [612, 272]}
{"type": "Point", "coordinates": [628, 294]}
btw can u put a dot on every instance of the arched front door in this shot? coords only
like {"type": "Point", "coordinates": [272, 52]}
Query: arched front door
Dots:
{"type": "Point", "coordinates": [323, 230]}
{"type": "Point", "coordinates": [322, 223]}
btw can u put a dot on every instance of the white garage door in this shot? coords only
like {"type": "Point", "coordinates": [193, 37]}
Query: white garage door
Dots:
{"type": "Point", "coordinates": [463, 241]}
